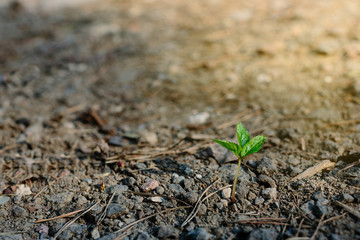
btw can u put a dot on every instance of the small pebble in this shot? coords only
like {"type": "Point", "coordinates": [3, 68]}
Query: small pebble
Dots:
{"type": "Point", "coordinates": [19, 212]}
{"type": "Point", "coordinates": [226, 193]}
{"type": "Point", "coordinates": [307, 208]}
{"type": "Point", "coordinates": [87, 180]}
{"type": "Point", "coordinates": [177, 179]}
{"type": "Point", "coordinates": [266, 166]}
{"type": "Point", "coordinates": [293, 171]}
{"type": "Point", "coordinates": [224, 202]}
{"type": "Point", "coordinates": [263, 233]}
{"type": "Point", "coordinates": [321, 207]}
{"type": "Point", "coordinates": [117, 141]}
{"type": "Point", "coordinates": [228, 172]}
{"type": "Point", "coordinates": [160, 190]}
{"type": "Point", "coordinates": [346, 198]}
{"type": "Point", "coordinates": [189, 183]}
{"type": "Point", "coordinates": [322, 201]}
{"type": "Point", "coordinates": [191, 197]}
{"type": "Point", "coordinates": [3, 213]}
{"type": "Point", "coordinates": [320, 210]}
{"type": "Point", "coordinates": [129, 181]}
{"type": "Point", "coordinates": [318, 195]}
{"type": "Point", "coordinates": [95, 233]}
{"type": "Point", "coordinates": [185, 168]}
{"type": "Point", "coordinates": [199, 118]}
{"type": "Point", "coordinates": [251, 196]}
{"type": "Point", "coordinates": [259, 200]}
{"type": "Point", "coordinates": [140, 166]}
{"type": "Point", "coordinates": [293, 161]}
{"type": "Point", "coordinates": [81, 200]}
{"type": "Point", "coordinates": [199, 234]}
{"type": "Point", "coordinates": [117, 188]}
{"type": "Point", "coordinates": [202, 209]}
{"type": "Point", "coordinates": [149, 137]}
{"type": "Point", "coordinates": [176, 189]}
{"type": "Point", "coordinates": [115, 210]}
{"type": "Point", "coordinates": [4, 199]}
{"type": "Point", "coordinates": [168, 231]}
{"type": "Point", "coordinates": [269, 193]}
{"type": "Point", "coordinates": [143, 236]}
{"type": "Point", "coordinates": [151, 184]}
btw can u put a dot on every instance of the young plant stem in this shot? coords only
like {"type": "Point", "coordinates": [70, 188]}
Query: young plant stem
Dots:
{"type": "Point", "coordinates": [235, 181]}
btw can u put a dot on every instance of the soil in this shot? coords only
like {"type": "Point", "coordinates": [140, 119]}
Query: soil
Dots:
{"type": "Point", "coordinates": [110, 107]}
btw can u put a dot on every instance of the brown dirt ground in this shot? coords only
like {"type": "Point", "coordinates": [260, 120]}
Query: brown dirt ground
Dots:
{"type": "Point", "coordinates": [77, 76]}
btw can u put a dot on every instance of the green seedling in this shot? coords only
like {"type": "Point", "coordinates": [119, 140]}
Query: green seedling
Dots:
{"type": "Point", "coordinates": [243, 149]}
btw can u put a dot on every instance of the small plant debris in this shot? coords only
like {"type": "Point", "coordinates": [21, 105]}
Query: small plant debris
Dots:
{"type": "Point", "coordinates": [243, 149]}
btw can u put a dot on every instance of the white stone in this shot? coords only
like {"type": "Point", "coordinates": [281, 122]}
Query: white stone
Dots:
{"type": "Point", "coordinates": [156, 199]}
{"type": "Point", "coordinates": [226, 193]}
{"type": "Point", "coordinates": [198, 176]}
{"type": "Point", "coordinates": [199, 118]}
{"type": "Point", "coordinates": [150, 137]}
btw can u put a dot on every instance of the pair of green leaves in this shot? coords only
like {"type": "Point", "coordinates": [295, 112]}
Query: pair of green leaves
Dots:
{"type": "Point", "coordinates": [245, 146]}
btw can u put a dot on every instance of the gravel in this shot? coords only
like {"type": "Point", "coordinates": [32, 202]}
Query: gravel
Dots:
{"type": "Point", "coordinates": [19, 212]}
{"type": "Point", "coordinates": [266, 166]}
{"type": "Point", "coordinates": [263, 234]}
{"type": "Point", "coordinates": [346, 198]}
{"type": "Point", "coordinates": [115, 210]}
{"type": "Point", "coordinates": [307, 209]}
{"type": "Point", "coordinates": [167, 231]}
{"type": "Point", "coordinates": [176, 189]}
{"type": "Point", "coordinates": [199, 234]}
{"type": "Point", "coordinates": [118, 189]}
{"type": "Point", "coordinates": [269, 193]}
{"type": "Point", "coordinates": [228, 172]}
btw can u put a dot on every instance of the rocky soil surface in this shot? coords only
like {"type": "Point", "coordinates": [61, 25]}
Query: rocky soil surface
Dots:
{"type": "Point", "coordinates": [107, 110]}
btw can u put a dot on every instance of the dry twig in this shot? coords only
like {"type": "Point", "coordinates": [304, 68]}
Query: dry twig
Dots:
{"type": "Point", "coordinates": [124, 234]}
{"type": "Point", "coordinates": [197, 205]}
{"type": "Point", "coordinates": [103, 214]}
{"type": "Point", "coordinates": [334, 218]}
{"type": "Point", "coordinates": [44, 188]}
{"type": "Point", "coordinates": [58, 217]}
{"type": "Point", "coordinates": [315, 169]}
{"type": "Point", "coordinates": [149, 216]}
{"type": "Point", "coordinates": [11, 233]}
{"type": "Point", "coordinates": [347, 167]}
{"type": "Point", "coordinates": [349, 209]}
{"type": "Point", "coordinates": [9, 147]}
{"type": "Point", "coordinates": [255, 220]}
{"type": "Point", "coordinates": [66, 225]}
{"type": "Point", "coordinates": [313, 237]}
{"type": "Point", "coordinates": [299, 228]}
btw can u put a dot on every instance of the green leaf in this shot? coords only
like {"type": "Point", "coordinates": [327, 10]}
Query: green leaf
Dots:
{"type": "Point", "coordinates": [233, 147]}
{"type": "Point", "coordinates": [253, 146]}
{"type": "Point", "coordinates": [242, 135]}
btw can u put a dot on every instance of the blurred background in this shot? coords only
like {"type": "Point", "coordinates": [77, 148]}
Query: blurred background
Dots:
{"type": "Point", "coordinates": [163, 62]}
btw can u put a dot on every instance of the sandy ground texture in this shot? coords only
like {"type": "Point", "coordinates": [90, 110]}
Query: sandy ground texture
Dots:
{"type": "Point", "coordinates": [107, 110]}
